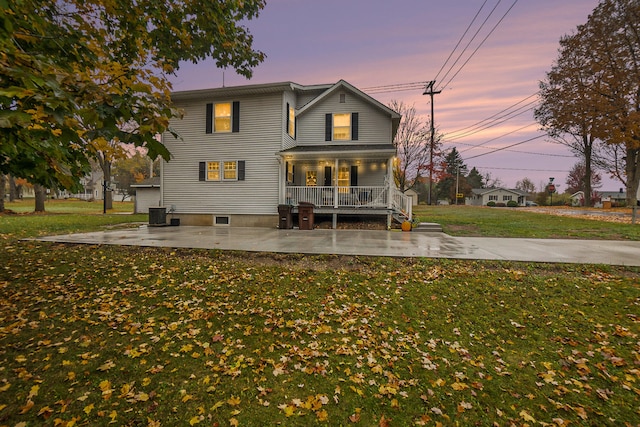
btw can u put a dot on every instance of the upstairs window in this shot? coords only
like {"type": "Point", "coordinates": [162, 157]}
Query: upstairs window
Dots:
{"type": "Point", "coordinates": [291, 121]}
{"type": "Point", "coordinates": [341, 127]}
{"type": "Point", "coordinates": [223, 117]}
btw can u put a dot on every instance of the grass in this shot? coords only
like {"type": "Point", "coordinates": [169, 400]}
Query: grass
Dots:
{"type": "Point", "coordinates": [513, 222]}
{"type": "Point", "coordinates": [94, 335]}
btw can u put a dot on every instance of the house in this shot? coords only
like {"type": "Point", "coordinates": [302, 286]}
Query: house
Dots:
{"type": "Point", "coordinates": [482, 196]}
{"type": "Point", "coordinates": [246, 150]}
{"type": "Point", "coordinates": [147, 195]}
{"type": "Point", "coordinates": [611, 198]}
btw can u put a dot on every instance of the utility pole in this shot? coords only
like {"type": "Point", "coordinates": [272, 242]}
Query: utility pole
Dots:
{"type": "Point", "coordinates": [429, 90]}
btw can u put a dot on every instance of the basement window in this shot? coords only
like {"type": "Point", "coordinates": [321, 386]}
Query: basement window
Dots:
{"type": "Point", "coordinates": [221, 220]}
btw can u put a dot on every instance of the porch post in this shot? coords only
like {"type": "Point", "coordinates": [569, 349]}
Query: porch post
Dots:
{"type": "Point", "coordinates": [282, 190]}
{"type": "Point", "coordinates": [391, 183]}
{"type": "Point", "coordinates": [334, 180]}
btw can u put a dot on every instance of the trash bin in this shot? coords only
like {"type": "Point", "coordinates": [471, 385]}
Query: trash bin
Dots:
{"type": "Point", "coordinates": [285, 218]}
{"type": "Point", "coordinates": [305, 215]}
{"type": "Point", "coordinates": [157, 216]}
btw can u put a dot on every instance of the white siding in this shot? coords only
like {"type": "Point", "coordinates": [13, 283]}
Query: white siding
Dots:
{"type": "Point", "coordinates": [260, 137]}
{"type": "Point", "coordinates": [374, 126]}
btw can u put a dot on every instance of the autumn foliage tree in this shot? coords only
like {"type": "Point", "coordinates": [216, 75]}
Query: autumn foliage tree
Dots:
{"type": "Point", "coordinates": [78, 73]}
{"type": "Point", "coordinates": [592, 92]}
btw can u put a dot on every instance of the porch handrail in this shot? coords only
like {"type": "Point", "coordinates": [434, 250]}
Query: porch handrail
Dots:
{"type": "Point", "coordinates": [402, 203]}
{"type": "Point", "coordinates": [336, 196]}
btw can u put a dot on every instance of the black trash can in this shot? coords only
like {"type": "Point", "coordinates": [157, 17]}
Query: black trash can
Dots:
{"type": "Point", "coordinates": [305, 215]}
{"type": "Point", "coordinates": [285, 219]}
{"type": "Point", "coordinates": [157, 216]}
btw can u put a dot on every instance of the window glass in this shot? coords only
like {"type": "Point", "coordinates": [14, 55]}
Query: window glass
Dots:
{"type": "Point", "coordinates": [342, 127]}
{"type": "Point", "coordinates": [230, 170]}
{"type": "Point", "coordinates": [292, 122]}
{"type": "Point", "coordinates": [222, 117]}
{"type": "Point", "coordinates": [312, 178]}
{"type": "Point", "coordinates": [213, 171]}
{"type": "Point", "coordinates": [343, 179]}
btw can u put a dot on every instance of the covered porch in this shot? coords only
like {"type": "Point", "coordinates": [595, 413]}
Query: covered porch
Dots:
{"type": "Point", "coordinates": [343, 181]}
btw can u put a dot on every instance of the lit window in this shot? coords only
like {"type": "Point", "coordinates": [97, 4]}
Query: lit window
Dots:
{"type": "Point", "coordinates": [342, 127]}
{"type": "Point", "coordinates": [292, 122]}
{"type": "Point", "coordinates": [222, 117]}
{"type": "Point", "coordinates": [343, 179]}
{"type": "Point", "coordinates": [312, 178]}
{"type": "Point", "coordinates": [230, 170]}
{"type": "Point", "coordinates": [213, 171]}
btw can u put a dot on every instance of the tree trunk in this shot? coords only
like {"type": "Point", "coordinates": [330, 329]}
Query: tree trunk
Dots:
{"type": "Point", "coordinates": [3, 181]}
{"type": "Point", "coordinates": [633, 175]}
{"type": "Point", "coordinates": [588, 149]}
{"type": "Point", "coordinates": [41, 196]}
{"type": "Point", "coordinates": [105, 165]}
{"type": "Point", "coordinates": [13, 191]}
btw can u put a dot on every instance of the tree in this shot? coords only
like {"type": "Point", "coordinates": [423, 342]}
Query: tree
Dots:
{"type": "Point", "coordinates": [593, 91]}
{"type": "Point", "coordinates": [131, 170]}
{"type": "Point", "coordinates": [526, 185]}
{"type": "Point", "coordinates": [412, 145]}
{"type": "Point", "coordinates": [454, 171]}
{"type": "Point", "coordinates": [575, 181]}
{"type": "Point", "coordinates": [75, 72]}
{"type": "Point", "coordinates": [566, 111]}
{"type": "Point", "coordinates": [475, 179]}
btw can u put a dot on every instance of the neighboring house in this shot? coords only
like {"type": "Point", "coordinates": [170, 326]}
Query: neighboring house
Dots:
{"type": "Point", "coordinates": [482, 196]}
{"type": "Point", "coordinates": [246, 150]}
{"type": "Point", "coordinates": [617, 198]}
{"type": "Point", "coordinates": [147, 195]}
{"type": "Point", "coordinates": [577, 198]}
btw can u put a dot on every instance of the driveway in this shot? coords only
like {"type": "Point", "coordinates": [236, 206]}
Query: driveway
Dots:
{"type": "Point", "coordinates": [367, 243]}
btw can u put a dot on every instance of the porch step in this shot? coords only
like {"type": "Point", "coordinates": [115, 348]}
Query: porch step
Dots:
{"type": "Point", "coordinates": [428, 227]}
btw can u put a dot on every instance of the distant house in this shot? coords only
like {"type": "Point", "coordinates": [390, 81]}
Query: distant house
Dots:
{"type": "Point", "coordinates": [577, 198]}
{"type": "Point", "coordinates": [617, 198]}
{"type": "Point", "coordinates": [482, 196]}
{"type": "Point", "coordinates": [147, 195]}
{"type": "Point", "coordinates": [246, 150]}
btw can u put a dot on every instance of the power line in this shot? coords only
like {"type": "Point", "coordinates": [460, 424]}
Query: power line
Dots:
{"type": "Point", "coordinates": [521, 169]}
{"type": "Point", "coordinates": [477, 124]}
{"type": "Point", "coordinates": [508, 146]}
{"type": "Point", "coordinates": [481, 43]}
{"type": "Point", "coordinates": [461, 38]}
{"type": "Point", "coordinates": [497, 137]}
{"type": "Point", "coordinates": [472, 39]}
{"type": "Point", "coordinates": [506, 117]}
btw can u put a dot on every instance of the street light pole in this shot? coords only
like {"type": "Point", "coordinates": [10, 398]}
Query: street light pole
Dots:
{"type": "Point", "coordinates": [428, 90]}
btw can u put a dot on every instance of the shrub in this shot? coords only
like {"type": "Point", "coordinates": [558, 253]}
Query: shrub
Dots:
{"type": "Point", "coordinates": [512, 204]}
{"type": "Point", "coordinates": [491, 204]}
{"type": "Point", "coordinates": [500, 205]}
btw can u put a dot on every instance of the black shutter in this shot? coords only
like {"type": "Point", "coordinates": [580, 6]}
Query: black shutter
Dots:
{"type": "Point", "coordinates": [235, 117]}
{"type": "Point", "coordinates": [295, 128]}
{"type": "Point", "coordinates": [209, 119]}
{"type": "Point", "coordinates": [202, 171]}
{"type": "Point", "coordinates": [286, 123]}
{"type": "Point", "coordinates": [241, 170]}
{"type": "Point", "coordinates": [293, 174]}
{"type": "Point", "coordinates": [353, 177]}
{"type": "Point", "coordinates": [327, 176]}
{"type": "Point", "coordinates": [354, 126]}
{"type": "Point", "coordinates": [328, 127]}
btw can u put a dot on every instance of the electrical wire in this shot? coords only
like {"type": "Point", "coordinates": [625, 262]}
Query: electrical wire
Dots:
{"type": "Point", "coordinates": [504, 148]}
{"type": "Point", "coordinates": [470, 41]}
{"type": "Point", "coordinates": [480, 45]}
{"type": "Point", "coordinates": [461, 38]}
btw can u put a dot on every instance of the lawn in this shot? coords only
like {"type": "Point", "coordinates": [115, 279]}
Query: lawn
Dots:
{"type": "Point", "coordinates": [521, 222]}
{"type": "Point", "coordinates": [99, 335]}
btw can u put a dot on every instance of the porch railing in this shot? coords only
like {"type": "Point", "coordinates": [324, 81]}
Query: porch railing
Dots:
{"type": "Point", "coordinates": [359, 196]}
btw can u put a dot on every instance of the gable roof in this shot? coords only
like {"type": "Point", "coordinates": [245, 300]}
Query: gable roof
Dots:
{"type": "Point", "coordinates": [343, 85]}
{"type": "Point", "coordinates": [148, 183]}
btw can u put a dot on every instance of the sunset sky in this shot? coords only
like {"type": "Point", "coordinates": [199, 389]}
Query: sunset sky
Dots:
{"type": "Point", "coordinates": [372, 43]}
